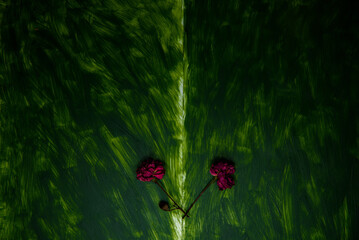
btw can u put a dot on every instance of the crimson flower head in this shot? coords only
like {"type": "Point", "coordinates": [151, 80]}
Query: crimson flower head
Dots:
{"type": "Point", "coordinates": [224, 181]}
{"type": "Point", "coordinates": [149, 170]}
{"type": "Point", "coordinates": [222, 167]}
{"type": "Point", "coordinates": [223, 171]}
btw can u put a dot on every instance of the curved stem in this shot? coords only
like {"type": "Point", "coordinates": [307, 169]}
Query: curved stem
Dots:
{"type": "Point", "coordinates": [171, 198]}
{"type": "Point", "coordinates": [204, 189]}
{"type": "Point", "coordinates": [173, 209]}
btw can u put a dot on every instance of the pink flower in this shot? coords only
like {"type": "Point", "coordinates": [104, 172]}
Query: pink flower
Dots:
{"type": "Point", "coordinates": [149, 170]}
{"type": "Point", "coordinates": [224, 181]}
{"type": "Point", "coordinates": [222, 167]}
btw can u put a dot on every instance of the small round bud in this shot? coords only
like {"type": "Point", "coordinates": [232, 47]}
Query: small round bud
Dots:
{"type": "Point", "coordinates": [164, 206]}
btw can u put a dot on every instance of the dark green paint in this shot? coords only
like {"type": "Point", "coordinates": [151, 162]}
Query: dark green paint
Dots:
{"type": "Point", "coordinates": [274, 87]}
{"type": "Point", "coordinates": [89, 88]}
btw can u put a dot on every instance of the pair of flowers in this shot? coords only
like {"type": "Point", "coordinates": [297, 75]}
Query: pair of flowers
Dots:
{"type": "Point", "coordinates": [153, 170]}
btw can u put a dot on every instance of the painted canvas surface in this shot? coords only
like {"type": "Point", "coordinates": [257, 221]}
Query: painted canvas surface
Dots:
{"type": "Point", "coordinates": [89, 89]}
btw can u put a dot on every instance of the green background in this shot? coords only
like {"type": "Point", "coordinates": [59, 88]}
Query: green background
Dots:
{"type": "Point", "coordinates": [88, 89]}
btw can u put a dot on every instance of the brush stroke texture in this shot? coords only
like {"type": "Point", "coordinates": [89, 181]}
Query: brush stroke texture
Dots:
{"type": "Point", "coordinates": [273, 86]}
{"type": "Point", "coordinates": [89, 88]}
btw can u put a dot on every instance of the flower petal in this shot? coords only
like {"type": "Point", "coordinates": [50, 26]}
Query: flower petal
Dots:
{"type": "Point", "coordinates": [150, 169]}
{"type": "Point", "coordinates": [225, 181]}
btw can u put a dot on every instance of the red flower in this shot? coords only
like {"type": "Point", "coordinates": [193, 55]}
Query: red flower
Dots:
{"type": "Point", "coordinates": [222, 171]}
{"type": "Point", "coordinates": [222, 167]}
{"type": "Point", "coordinates": [150, 169]}
{"type": "Point", "coordinates": [224, 181]}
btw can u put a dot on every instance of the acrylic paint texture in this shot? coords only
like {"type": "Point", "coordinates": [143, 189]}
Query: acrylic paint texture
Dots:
{"type": "Point", "coordinates": [88, 89]}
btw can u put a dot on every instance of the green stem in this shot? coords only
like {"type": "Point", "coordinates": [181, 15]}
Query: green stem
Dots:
{"type": "Point", "coordinates": [204, 189]}
{"type": "Point", "coordinates": [155, 181]}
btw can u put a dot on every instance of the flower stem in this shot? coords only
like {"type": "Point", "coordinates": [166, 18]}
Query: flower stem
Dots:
{"type": "Point", "coordinates": [172, 209]}
{"type": "Point", "coordinates": [171, 198]}
{"type": "Point", "coordinates": [204, 189]}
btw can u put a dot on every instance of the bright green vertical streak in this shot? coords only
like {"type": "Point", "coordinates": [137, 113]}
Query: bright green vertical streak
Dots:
{"type": "Point", "coordinates": [88, 89]}
{"type": "Point", "coordinates": [177, 157]}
